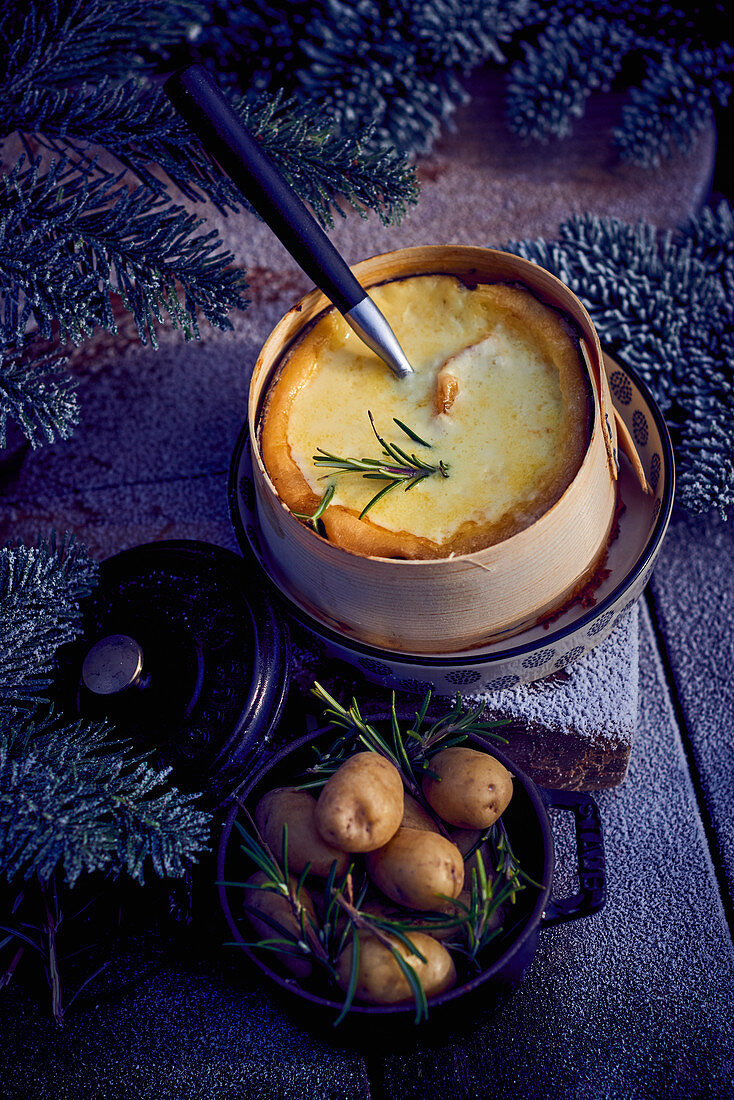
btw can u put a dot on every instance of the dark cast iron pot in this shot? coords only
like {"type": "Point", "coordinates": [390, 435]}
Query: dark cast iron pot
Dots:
{"type": "Point", "coordinates": [508, 957]}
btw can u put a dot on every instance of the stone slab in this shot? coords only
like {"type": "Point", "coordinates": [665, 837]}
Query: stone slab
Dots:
{"type": "Point", "coordinates": [572, 730]}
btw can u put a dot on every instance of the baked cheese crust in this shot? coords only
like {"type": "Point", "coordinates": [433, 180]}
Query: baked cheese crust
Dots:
{"type": "Point", "coordinates": [499, 391]}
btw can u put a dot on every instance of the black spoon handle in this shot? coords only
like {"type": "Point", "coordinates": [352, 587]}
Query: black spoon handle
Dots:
{"type": "Point", "coordinates": [198, 98]}
{"type": "Point", "coordinates": [201, 102]}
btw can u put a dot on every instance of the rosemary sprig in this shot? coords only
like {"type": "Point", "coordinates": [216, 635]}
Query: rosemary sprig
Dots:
{"type": "Point", "coordinates": [382, 929]}
{"type": "Point", "coordinates": [323, 504]}
{"type": "Point", "coordinates": [489, 892]}
{"type": "Point", "coordinates": [409, 751]}
{"type": "Point", "coordinates": [396, 467]}
{"type": "Point", "coordinates": [323, 942]}
{"type": "Point", "coordinates": [410, 433]}
{"type": "Point", "coordinates": [352, 986]}
{"type": "Point", "coordinates": [480, 924]}
{"type": "Point", "coordinates": [506, 862]}
{"type": "Point", "coordinates": [278, 881]}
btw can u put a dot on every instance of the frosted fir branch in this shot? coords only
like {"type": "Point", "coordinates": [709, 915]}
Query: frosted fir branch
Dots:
{"type": "Point", "coordinates": [250, 47]}
{"type": "Point", "coordinates": [40, 592]}
{"type": "Point", "coordinates": [711, 237]}
{"type": "Point", "coordinates": [69, 239]}
{"type": "Point", "coordinates": [402, 67]}
{"type": "Point", "coordinates": [586, 44]}
{"type": "Point", "coordinates": [464, 35]}
{"type": "Point", "coordinates": [662, 302]}
{"type": "Point", "coordinates": [59, 42]}
{"type": "Point", "coordinates": [130, 119]}
{"type": "Point", "coordinates": [397, 67]}
{"type": "Point", "coordinates": [674, 104]}
{"type": "Point", "coordinates": [323, 163]}
{"type": "Point", "coordinates": [156, 825]}
{"type": "Point", "coordinates": [550, 87]}
{"type": "Point", "coordinates": [135, 122]}
{"type": "Point", "coordinates": [37, 393]}
{"type": "Point", "coordinates": [73, 801]}
{"type": "Point", "coordinates": [648, 19]}
{"type": "Point", "coordinates": [367, 69]}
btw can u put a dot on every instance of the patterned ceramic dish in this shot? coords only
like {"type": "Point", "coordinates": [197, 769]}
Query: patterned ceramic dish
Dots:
{"type": "Point", "coordinates": [541, 650]}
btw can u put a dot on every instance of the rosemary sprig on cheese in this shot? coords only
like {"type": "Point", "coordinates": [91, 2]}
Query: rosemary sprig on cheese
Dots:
{"type": "Point", "coordinates": [323, 504]}
{"type": "Point", "coordinates": [396, 467]}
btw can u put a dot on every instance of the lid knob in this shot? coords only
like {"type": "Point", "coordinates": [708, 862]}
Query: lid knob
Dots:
{"type": "Point", "coordinates": [112, 665]}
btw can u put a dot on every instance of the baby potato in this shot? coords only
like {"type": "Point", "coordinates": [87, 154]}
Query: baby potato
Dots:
{"type": "Point", "coordinates": [379, 977]}
{"type": "Point", "coordinates": [416, 868]}
{"type": "Point", "coordinates": [471, 790]}
{"type": "Point", "coordinates": [294, 808]}
{"type": "Point", "coordinates": [415, 817]}
{"type": "Point", "coordinates": [278, 908]}
{"type": "Point", "coordinates": [361, 805]}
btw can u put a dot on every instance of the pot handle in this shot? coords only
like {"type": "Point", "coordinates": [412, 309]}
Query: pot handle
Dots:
{"type": "Point", "coordinates": [590, 853]}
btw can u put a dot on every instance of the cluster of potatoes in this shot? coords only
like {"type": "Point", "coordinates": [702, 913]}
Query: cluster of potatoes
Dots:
{"type": "Point", "coordinates": [364, 809]}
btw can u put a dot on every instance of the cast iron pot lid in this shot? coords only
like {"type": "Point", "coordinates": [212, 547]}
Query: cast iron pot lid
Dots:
{"type": "Point", "coordinates": [182, 651]}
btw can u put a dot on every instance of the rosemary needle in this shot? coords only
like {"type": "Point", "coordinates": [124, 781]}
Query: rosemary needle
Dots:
{"type": "Point", "coordinates": [409, 432]}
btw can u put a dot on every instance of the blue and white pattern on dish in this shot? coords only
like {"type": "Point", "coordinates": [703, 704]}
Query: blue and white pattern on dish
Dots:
{"type": "Point", "coordinates": [599, 624]}
{"type": "Point", "coordinates": [620, 386]}
{"type": "Point", "coordinates": [639, 427]}
{"type": "Point", "coordinates": [536, 660]}
{"type": "Point", "coordinates": [377, 668]}
{"type": "Point", "coordinates": [503, 682]}
{"type": "Point", "coordinates": [570, 656]}
{"type": "Point", "coordinates": [464, 676]}
{"type": "Point", "coordinates": [415, 687]}
{"type": "Point", "coordinates": [654, 475]}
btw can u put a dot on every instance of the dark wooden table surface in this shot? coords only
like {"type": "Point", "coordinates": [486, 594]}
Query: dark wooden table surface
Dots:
{"type": "Point", "coordinates": [636, 1001]}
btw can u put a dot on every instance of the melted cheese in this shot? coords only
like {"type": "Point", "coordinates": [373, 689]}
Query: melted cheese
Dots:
{"type": "Point", "coordinates": [513, 434]}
